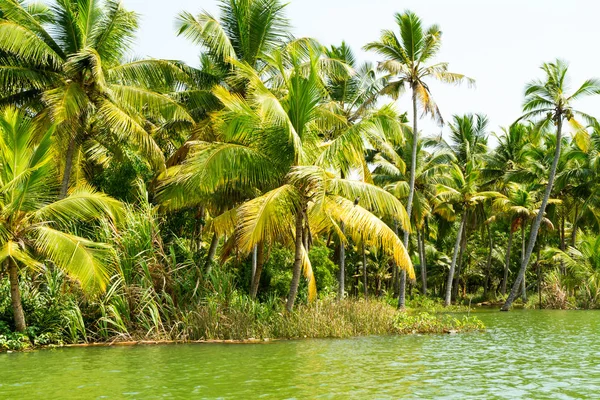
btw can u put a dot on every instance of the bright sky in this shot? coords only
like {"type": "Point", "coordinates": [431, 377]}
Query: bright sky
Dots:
{"type": "Point", "coordinates": [500, 43]}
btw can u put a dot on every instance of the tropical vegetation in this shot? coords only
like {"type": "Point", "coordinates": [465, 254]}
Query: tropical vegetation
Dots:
{"type": "Point", "coordinates": [275, 183]}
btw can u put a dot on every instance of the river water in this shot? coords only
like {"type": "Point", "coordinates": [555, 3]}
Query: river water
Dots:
{"type": "Point", "coordinates": [523, 354]}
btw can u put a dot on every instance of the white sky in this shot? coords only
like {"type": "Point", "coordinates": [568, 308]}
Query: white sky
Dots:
{"type": "Point", "coordinates": [499, 43]}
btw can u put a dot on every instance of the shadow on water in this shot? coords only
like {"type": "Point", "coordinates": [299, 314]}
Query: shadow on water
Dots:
{"type": "Point", "coordinates": [523, 354]}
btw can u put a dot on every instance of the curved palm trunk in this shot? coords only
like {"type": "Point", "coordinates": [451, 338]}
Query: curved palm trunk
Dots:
{"type": "Point", "coordinates": [212, 250]}
{"type": "Point", "coordinates": [448, 298]}
{"type": "Point", "coordinates": [538, 220]}
{"type": "Point", "coordinates": [411, 195]}
{"type": "Point", "coordinates": [342, 262]}
{"type": "Point", "coordinates": [422, 260]}
{"type": "Point", "coordinates": [507, 263]}
{"type": "Point", "coordinates": [15, 296]}
{"type": "Point", "coordinates": [64, 186]}
{"type": "Point", "coordinates": [297, 262]}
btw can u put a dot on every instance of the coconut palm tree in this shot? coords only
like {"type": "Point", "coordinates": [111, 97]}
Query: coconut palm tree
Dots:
{"type": "Point", "coordinates": [407, 61]}
{"type": "Point", "coordinates": [548, 100]}
{"type": "Point", "coordinates": [66, 62]}
{"type": "Point", "coordinates": [33, 224]}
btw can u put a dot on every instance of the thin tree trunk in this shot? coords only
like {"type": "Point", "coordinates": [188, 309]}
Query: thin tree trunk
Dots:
{"type": "Point", "coordinates": [507, 263]}
{"type": "Point", "coordinates": [523, 286]}
{"type": "Point", "coordinates": [15, 296]}
{"type": "Point", "coordinates": [538, 219]}
{"type": "Point", "coordinates": [297, 263]}
{"type": "Point", "coordinates": [539, 274]}
{"type": "Point", "coordinates": [459, 264]}
{"type": "Point", "coordinates": [488, 266]}
{"type": "Point", "coordinates": [411, 195]}
{"type": "Point", "coordinates": [64, 187]}
{"type": "Point", "coordinates": [461, 227]}
{"type": "Point", "coordinates": [364, 270]}
{"type": "Point", "coordinates": [212, 250]}
{"type": "Point", "coordinates": [260, 262]}
{"type": "Point", "coordinates": [422, 260]}
{"type": "Point", "coordinates": [574, 229]}
{"type": "Point", "coordinates": [342, 262]}
{"type": "Point", "coordinates": [254, 262]}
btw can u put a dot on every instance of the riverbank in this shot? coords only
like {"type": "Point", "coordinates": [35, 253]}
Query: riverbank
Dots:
{"type": "Point", "coordinates": [252, 322]}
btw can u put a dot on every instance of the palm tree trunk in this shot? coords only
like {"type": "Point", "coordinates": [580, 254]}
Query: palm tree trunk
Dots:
{"type": "Point", "coordinates": [212, 250]}
{"type": "Point", "coordinates": [15, 296]}
{"type": "Point", "coordinates": [411, 195]}
{"type": "Point", "coordinates": [488, 267]}
{"type": "Point", "coordinates": [459, 264]}
{"type": "Point", "coordinates": [364, 270]}
{"type": "Point", "coordinates": [507, 263]}
{"type": "Point", "coordinates": [574, 229]}
{"type": "Point", "coordinates": [539, 274]}
{"type": "Point", "coordinates": [254, 261]}
{"type": "Point", "coordinates": [461, 227]}
{"type": "Point", "coordinates": [538, 219]}
{"type": "Point", "coordinates": [260, 262]}
{"type": "Point", "coordinates": [64, 187]}
{"type": "Point", "coordinates": [523, 287]}
{"type": "Point", "coordinates": [297, 262]}
{"type": "Point", "coordinates": [422, 260]}
{"type": "Point", "coordinates": [342, 262]}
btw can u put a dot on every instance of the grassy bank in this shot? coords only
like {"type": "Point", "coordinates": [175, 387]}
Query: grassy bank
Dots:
{"type": "Point", "coordinates": [242, 319]}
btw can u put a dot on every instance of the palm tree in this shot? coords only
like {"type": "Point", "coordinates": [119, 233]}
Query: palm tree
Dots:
{"type": "Point", "coordinates": [407, 63]}
{"type": "Point", "coordinates": [468, 144]}
{"type": "Point", "coordinates": [548, 100]}
{"type": "Point", "coordinates": [66, 62]}
{"type": "Point", "coordinates": [354, 99]}
{"type": "Point", "coordinates": [32, 224]}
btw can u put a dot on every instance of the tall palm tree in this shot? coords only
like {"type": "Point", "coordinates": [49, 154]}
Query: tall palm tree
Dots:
{"type": "Point", "coordinates": [32, 223]}
{"type": "Point", "coordinates": [66, 62]}
{"type": "Point", "coordinates": [354, 99]}
{"type": "Point", "coordinates": [547, 99]}
{"type": "Point", "coordinates": [407, 61]}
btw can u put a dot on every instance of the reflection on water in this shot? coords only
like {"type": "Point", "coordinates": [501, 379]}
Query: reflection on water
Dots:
{"type": "Point", "coordinates": [523, 354]}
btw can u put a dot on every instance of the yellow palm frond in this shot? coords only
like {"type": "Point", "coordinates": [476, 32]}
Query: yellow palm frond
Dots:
{"type": "Point", "coordinates": [268, 218]}
{"type": "Point", "coordinates": [360, 224]}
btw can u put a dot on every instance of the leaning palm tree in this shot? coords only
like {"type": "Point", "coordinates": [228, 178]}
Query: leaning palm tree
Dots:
{"type": "Point", "coordinates": [66, 62]}
{"type": "Point", "coordinates": [407, 63]}
{"type": "Point", "coordinates": [33, 224]}
{"type": "Point", "coordinates": [548, 100]}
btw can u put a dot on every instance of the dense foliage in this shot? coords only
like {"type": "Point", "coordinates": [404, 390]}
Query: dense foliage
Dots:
{"type": "Point", "coordinates": [150, 198]}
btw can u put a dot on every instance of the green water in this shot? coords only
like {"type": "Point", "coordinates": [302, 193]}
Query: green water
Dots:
{"type": "Point", "coordinates": [523, 354]}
